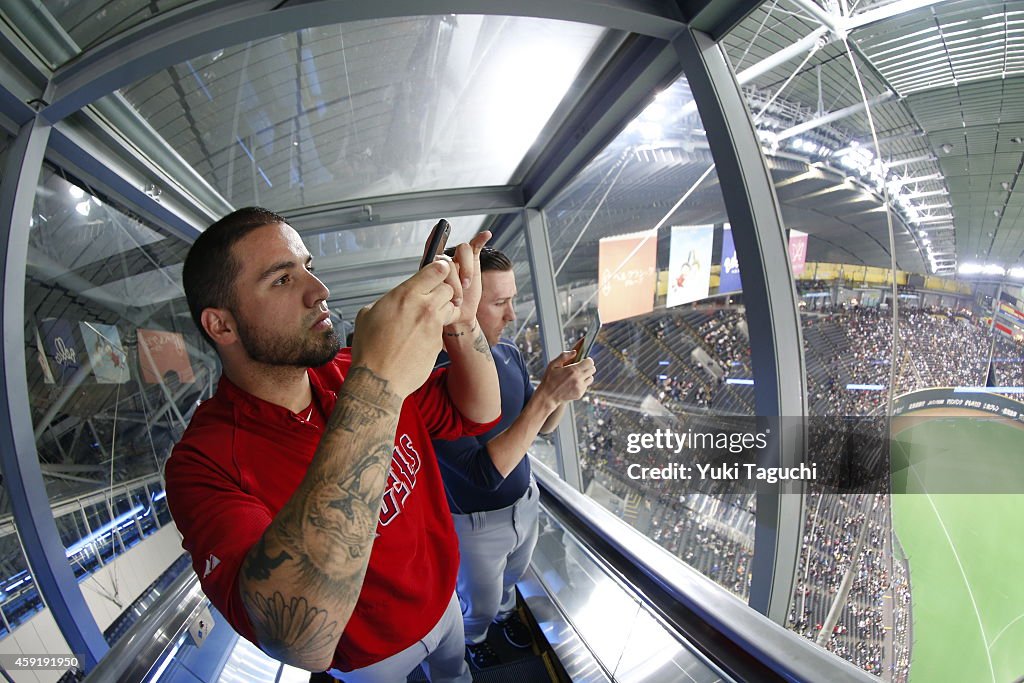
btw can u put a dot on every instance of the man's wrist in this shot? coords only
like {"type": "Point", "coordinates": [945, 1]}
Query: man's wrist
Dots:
{"type": "Point", "coordinates": [373, 390]}
{"type": "Point", "coordinates": [545, 400]}
{"type": "Point", "coordinates": [460, 330]}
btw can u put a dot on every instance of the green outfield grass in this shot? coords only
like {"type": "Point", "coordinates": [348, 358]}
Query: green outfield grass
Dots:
{"type": "Point", "coordinates": [965, 550]}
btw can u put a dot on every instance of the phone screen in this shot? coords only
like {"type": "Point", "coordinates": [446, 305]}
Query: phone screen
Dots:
{"type": "Point", "coordinates": [586, 344]}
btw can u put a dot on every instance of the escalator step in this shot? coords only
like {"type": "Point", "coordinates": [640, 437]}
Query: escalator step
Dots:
{"type": "Point", "coordinates": [530, 669]}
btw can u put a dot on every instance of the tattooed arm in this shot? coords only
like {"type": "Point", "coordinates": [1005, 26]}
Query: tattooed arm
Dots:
{"type": "Point", "coordinates": [301, 580]}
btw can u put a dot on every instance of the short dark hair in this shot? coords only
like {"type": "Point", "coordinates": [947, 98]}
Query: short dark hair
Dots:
{"type": "Point", "coordinates": [209, 272]}
{"type": "Point", "coordinates": [490, 259]}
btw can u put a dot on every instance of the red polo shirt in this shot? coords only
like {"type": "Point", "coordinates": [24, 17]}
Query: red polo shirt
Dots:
{"type": "Point", "coordinates": [241, 459]}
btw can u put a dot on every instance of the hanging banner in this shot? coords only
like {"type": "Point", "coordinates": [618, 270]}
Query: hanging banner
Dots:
{"type": "Point", "coordinates": [161, 352]}
{"type": "Point", "coordinates": [627, 278]}
{"type": "Point", "coordinates": [689, 263]}
{"type": "Point", "coordinates": [61, 348]}
{"type": "Point", "coordinates": [107, 356]}
{"type": "Point", "coordinates": [798, 251]}
{"type": "Point", "coordinates": [729, 277]}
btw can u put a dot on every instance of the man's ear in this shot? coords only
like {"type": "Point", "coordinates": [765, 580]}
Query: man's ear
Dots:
{"type": "Point", "coordinates": [220, 325]}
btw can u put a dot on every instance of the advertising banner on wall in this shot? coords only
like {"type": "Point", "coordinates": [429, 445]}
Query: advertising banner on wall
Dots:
{"type": "Point", "coordinates": [161, 352]}
{"type": "Point", "coordinates": [61, 348]}
{"type": "Point", "coordinates": [729, 277]}
{"type": "Point", "coordinates": [107, 356]}
{"type": "Point", "coordinates": [1011, 313]}
{"type": "Point", "coordinates": [797, 251]}
{"type": "Point", "coordinates": [627, 276]}
{"type": "Point", "coordinates": [1004, 329]}
{"type": "Point", "coordinates": [689, 263]}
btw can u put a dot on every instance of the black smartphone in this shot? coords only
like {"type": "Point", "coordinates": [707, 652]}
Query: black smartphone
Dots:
{"type": "Point", "coordinates": [435, 243]}
{"type": "Point", "coordinates": [586, 343]}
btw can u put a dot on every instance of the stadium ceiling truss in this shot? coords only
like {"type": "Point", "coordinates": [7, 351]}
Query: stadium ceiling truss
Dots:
{"type": "Point", "coordinates": [915, 104]}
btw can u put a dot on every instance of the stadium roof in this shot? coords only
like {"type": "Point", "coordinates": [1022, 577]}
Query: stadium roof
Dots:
{"type": "Point", "coordinates": [362, 122]}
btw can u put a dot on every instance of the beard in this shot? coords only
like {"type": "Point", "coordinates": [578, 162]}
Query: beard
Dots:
{"type": "Point", "coordinates": [309, 351]}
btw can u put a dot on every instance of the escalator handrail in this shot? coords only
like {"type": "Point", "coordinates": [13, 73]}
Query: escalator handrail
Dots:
{"type": "Point", "coordinates": [143, 647]}
{"type": "Point", "coordinates": [719, 615]}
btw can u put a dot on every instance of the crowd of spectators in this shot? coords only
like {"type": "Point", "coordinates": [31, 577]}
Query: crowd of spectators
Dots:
{"type": "Point", "coordinates": [846, 548]}
{"type": "Point", "coordinates": [683, 358]}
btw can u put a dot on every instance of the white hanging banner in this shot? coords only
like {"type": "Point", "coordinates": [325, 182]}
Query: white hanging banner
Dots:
{"type": "Point", "coordinates": [689, 263]}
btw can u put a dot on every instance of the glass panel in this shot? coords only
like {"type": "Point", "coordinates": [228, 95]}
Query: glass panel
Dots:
{"type": "Point", "coordinates": [88, 22]}
{"type": "Point", "coordinates": [114, 368]}
{"type": "Point", "coordinates": [21, 600]}
{"type": "Point", "coordinates": [367, 108]}
{"type": "Point", "coordinates": [617, 628]}
{"type": "Point", "coordinates": [524, 331]}
{"type": "Point", "coordinates": [898, 356]}
{"type": "Point", "coordinates": [359, 265]}
{"type": "Point", "coordinates": [381, 243]}
{"type": "Point", "coordinates": [642, 234]}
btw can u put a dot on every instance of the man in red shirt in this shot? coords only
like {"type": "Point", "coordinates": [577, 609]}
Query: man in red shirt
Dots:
{"type": "Point", "coordinates": [306, 489]}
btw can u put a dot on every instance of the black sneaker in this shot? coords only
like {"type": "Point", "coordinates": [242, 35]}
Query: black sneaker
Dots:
{"type": "Point", "coordinates": [482, 655]}
{"type": "Point", "coordinates": [516, 632]}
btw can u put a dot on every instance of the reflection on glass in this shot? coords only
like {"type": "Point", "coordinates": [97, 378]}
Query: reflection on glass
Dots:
{"type": "Point", "coordinates": [88, 22]}
{"type": "Point", "coordinates": [641, 235]}
{"type": "Point", "coordinates": [367, 108]}
{"type": "Point", "coordinates": [383, 242]}
{"type": "Point", "coordinates": [114, 370]}
{"type": "Point", "coordinates": [617, 628]}
{"type": "Point", "coordinates": [879, 192]}
{"type": "Point", "coordinates": [19, 596]}
{"type": "Point", "coordinates": [524, 332]}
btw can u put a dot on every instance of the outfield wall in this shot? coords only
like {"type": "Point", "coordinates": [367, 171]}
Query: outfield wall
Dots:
{"type": "Point", "coordinates": [949, 397]}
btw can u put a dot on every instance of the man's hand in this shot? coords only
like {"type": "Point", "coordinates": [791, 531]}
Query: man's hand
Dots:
{"type": "Point", "coordinates": [564, 380]}
{"type": "Point", "coordinates": [467, 260]}
{"type": "Point", "coordinates": [399, 337]}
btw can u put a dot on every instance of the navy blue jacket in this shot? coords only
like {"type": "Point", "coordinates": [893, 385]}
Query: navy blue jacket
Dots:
{"type": "Point", "coordinates": [471, 481]}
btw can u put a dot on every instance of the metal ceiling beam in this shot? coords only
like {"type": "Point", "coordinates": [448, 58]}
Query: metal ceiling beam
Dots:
{"type": "Point", "coordinates": [889, 11]}
{"type": "Point", "coordinates": [841, 25]}
{"type": "Point", "coordinates": [828, 19]}
{"type": "Point", "coordinates": [815, 39]}
{"type": "Point", "coordinates": [836, 115]}
{"type": "Point", "coordinates": [907, 180]}
{"type": "Point", "coordinates": [716, 17]}
{"type": "Point", "coordinates": [199, 28]}
{"type": "Point", "coordinates": [403, 208]}
{"type": "Point", "coordinates": [149, 154]}
{"type": "Point", "coordinates": [110, 174]}
{"type": "Point", "coordinates": [911, 160]}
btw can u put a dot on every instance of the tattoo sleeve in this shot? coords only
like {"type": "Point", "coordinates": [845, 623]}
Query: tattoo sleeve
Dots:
{"type": "Point", "coordinates": [300, 582]}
